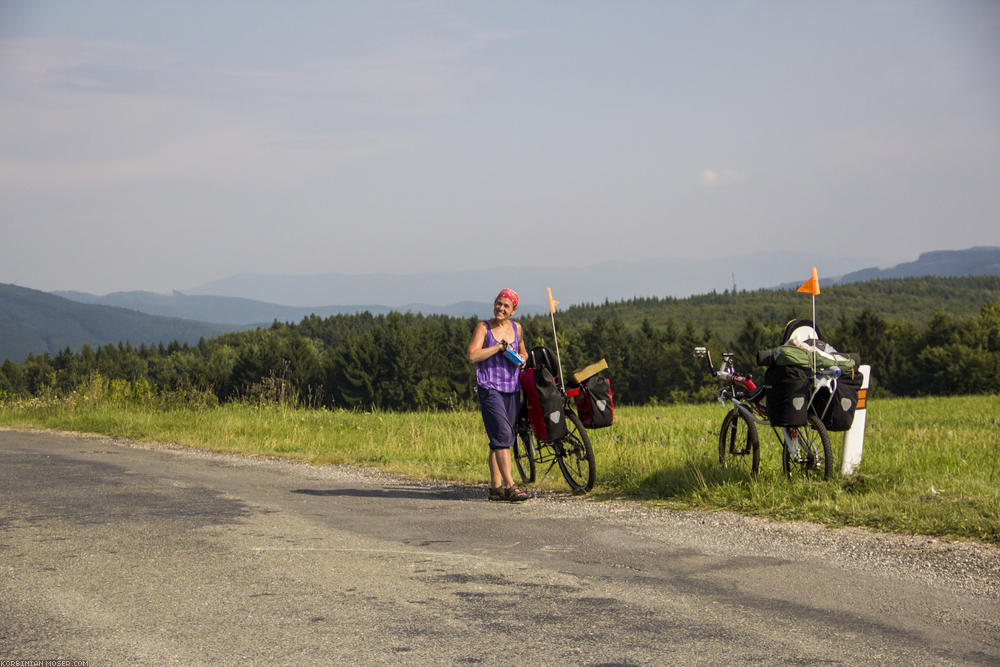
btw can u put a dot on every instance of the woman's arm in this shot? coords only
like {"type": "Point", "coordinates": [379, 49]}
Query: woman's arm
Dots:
{"type": "Point", "coordinates": [477, 352]}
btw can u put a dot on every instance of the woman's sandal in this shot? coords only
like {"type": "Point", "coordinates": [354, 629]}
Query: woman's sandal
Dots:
{"type": "Point", "coordinates": [515, 495]}
{"type": "Point", "coordinates": [498, 493]}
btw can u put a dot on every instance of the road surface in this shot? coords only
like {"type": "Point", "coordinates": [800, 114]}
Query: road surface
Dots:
{"type": "Point", "coordinates": [121, 553]}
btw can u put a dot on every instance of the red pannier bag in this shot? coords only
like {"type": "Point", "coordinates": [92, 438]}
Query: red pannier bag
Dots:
{"type": "Point", "coordinates": [594, 402]}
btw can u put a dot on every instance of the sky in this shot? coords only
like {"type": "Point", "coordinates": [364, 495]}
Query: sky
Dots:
{"type": "Point", "coordinates": [164, 144]}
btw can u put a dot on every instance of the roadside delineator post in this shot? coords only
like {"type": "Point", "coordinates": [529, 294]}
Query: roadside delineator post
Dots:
{"type": "Point", "coordinates": [854, 438]}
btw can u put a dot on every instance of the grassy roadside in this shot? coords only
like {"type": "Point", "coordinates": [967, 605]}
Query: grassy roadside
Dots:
{"type": "Point", "coordinates": [931, 466]}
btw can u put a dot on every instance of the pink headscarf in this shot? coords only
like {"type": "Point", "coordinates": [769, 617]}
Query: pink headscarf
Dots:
{"type": "Point", "coordinates": [510, 295]}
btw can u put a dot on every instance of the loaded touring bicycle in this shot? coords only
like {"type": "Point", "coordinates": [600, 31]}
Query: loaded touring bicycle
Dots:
{"type": "Point", "coordinates": [552, 429]}
{"type": "Point", "coordinates": [809, 390]}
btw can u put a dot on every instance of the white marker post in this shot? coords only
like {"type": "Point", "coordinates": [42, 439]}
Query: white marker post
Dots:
{"type": "Point", "coordinates": [854, 439]}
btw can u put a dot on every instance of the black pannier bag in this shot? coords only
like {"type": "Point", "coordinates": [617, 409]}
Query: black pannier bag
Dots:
{"type": "Point", "coordinates": [838, 414]}
{"type": "Point", "coordinates": [542, 357]}
{"type": "Point", "coordinates": [594, 403]}
{"type": "Point", "coordinates": [544, 401]}
{"type": "Point", "coordinates": [787, 391]}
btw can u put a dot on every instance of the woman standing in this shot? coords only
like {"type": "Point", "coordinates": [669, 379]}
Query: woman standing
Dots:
{"type": "Point", "coordinates": [497, 383]}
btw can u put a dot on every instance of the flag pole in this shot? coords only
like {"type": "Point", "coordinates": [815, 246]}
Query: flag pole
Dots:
{"type": "Point", "coordinates": [552, 315]}
{"type": "Point", "coordinates": [816, 330]}
{"type": "Point", "coordinates": [812, 287]}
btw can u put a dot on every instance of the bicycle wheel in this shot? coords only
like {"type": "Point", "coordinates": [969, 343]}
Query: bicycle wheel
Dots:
{"type": "Point", "coordinates": [739, 445]}
{"type": "Point", "coordinates": [523, 452]}
{"type": "Point", "coordinates": [814, 456]}
{"type": "Point", "coordinates": [576, 456]}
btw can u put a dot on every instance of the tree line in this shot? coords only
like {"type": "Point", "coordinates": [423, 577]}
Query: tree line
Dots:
{"type": "Point", "coordinates": [416, 362]}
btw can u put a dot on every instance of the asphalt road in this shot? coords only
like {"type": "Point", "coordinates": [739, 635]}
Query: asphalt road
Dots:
{"type": "Point", "coordinates": [119, 554]}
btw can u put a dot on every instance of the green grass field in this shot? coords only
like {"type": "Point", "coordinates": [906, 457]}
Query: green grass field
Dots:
{"type": "Point", "coordinates": [931, 466]}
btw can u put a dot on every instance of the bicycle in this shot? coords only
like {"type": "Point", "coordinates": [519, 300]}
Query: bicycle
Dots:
{"type": "Point", "coordinates": [573, 452]}
{"type": "Point", "coordinates": [805, 450]}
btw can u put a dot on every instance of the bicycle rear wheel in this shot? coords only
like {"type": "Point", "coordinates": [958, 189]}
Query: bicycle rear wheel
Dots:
{"type": "Point", "coordinates": [576, 455]}
{"type": "Point", "coordinates": [815, 455]}
{"type": "Point", "coordinates": [523, 452]}
{"type": "Point", "coordinates": [739, 444]}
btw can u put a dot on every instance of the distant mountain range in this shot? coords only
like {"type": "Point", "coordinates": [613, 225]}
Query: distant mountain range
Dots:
{"type": "Point", "coordinates": [240, 311]}
{"type": "Point", "coordinates": [36, 322]}
{"type": "Point", "coordinates": [613, 281]}
{"type": "Point", "coordinates": [251, 299]}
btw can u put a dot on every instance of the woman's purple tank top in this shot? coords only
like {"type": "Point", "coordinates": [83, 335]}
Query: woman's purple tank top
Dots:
{"type": "Point", "coordinates": [496, 372]}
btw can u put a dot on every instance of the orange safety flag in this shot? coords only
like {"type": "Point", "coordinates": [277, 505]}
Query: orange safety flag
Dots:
{"type": "Point", "coordinates": [552, 302]}
{"type": "Point", "coordinates": [811, 286]}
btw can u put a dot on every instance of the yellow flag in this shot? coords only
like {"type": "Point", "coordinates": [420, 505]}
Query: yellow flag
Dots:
{"type": "Point", "coordinates": [811, 286]}
{"type": "Point", "coordinates": [552, 302]}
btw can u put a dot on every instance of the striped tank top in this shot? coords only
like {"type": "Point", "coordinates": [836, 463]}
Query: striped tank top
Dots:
{"type": "Point", "coordinates": [496, 372]}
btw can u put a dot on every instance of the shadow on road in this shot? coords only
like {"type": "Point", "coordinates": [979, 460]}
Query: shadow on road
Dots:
{"type": "Point", "coordinates": [416, 492]}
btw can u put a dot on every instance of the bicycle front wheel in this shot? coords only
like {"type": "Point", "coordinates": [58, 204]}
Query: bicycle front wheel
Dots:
{"type": "Point", "coordinates": [576, 455]}
{"type": "Point", "coordinates": [739, 444]}
{"type": "Point", "coordinates": [523, 452]}
{"type": "Point", "coordinates": [812, 455]}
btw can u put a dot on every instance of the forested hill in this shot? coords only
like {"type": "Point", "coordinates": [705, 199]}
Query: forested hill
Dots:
{"type": "Point", "coordinates": [926, 336]}
{"type": "Point", "coordinates": [912, 300]}
{"type": "Point", "coordinates": [34, 322]}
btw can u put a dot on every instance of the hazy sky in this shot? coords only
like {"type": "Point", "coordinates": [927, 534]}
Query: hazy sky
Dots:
{"type": "Point", "coordinates": [158, 145]}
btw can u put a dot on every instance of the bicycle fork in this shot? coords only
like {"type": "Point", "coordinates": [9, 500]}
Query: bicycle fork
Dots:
{"type": "Point", "coordinates": [732, 442]}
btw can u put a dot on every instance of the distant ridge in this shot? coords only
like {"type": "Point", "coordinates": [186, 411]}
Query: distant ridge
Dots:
{"type": "Point", "coordinates": [210, 308]}
{"type": "Point", "coordinates": [977, 261]}
{"type": "Point", "coordinates": [35, 322]}
{"type": "Point", "coordinates": [249, 312]}
{"type": "Point", "coordinates": [570, 286]}
{"type": "Point", "coordinates": [613, 280]}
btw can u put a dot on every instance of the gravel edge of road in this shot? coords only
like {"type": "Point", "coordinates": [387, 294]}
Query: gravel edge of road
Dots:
{"type": "Point", "coordinates": [969, 567]}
